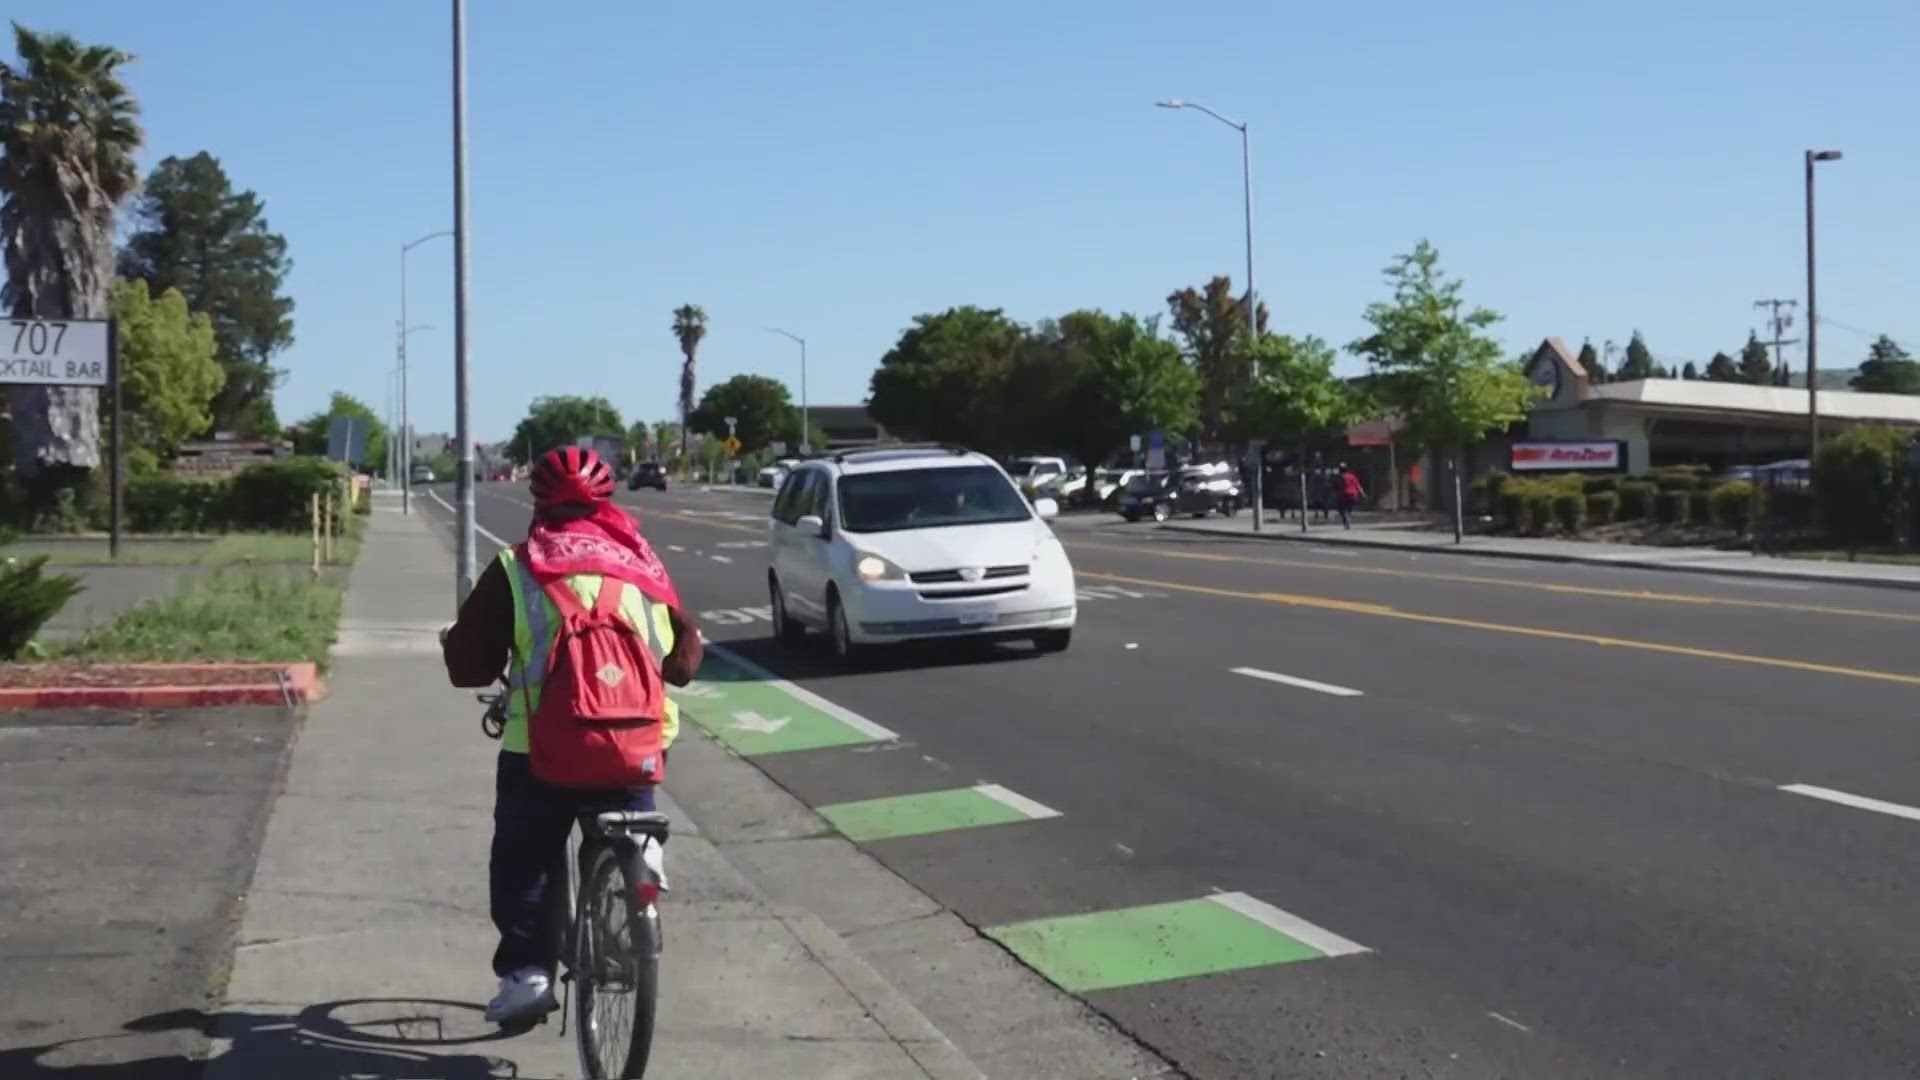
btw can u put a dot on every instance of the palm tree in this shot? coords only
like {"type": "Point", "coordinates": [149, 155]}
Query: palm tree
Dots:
{"type": "Point", "coordinates": [68, 130]}
{"type": "Point", "coordinates": [689, 326]}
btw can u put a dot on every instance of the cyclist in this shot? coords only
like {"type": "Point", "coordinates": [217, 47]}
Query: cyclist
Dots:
{"type": "Point", "coordinates": [576, 533]}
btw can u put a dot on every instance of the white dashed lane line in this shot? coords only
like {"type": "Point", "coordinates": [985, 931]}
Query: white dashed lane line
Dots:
{"type": "Point", "coordinates": [720, 558]}
{"type": "Point", "coordinates": [1296, 681]}
{"type": "Point", "coordinates": [1858, 802]}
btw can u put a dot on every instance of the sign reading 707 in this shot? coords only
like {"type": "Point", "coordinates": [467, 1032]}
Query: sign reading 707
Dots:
{"type": "Point", "coordinates": [55, 352]}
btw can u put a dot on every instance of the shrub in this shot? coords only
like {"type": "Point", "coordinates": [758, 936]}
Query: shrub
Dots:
{"type": "Point", "coordinates": [1570, 511]}
{"type": "Point", "coordinates": [1536, 512]}
{"type": "Point", "coordinates": [1593, 485]}
{"type": "Point", "coordinates": [1679, 477]}
{"type": "Point", "coordinates": [1858, 477]}
{"type": "Point", "coordinates": [1603, 506]}
{"type": "Point", "coordinates": [278, 496]}
{"type": "Point", "coordinates": [29, 596]}
{"type": "Point", "coordinates": [1700, 507]}
{"type": "Point", "coordinates": [1788, 508]}
{"type": "Point", "coordinates": [1732, 505]}
{"type": "Point", "coordinates": [1670, 507]}
{"type": "Point", "coordinates": [1636, 500]}
{"type": "Point", "coordinates": [167, 503]}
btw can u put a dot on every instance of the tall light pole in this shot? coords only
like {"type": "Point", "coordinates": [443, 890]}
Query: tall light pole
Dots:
{"type": "Point", "coordinates": [406, 437]}
{"type": "Point", "coordinates": [1253, 311]}
{"type": "Point", "coordinates": [1813, 315]}
{"type": "Point", "coordinates": [462, 426]}
{"type": "Point", "coordinates": [806, 432]}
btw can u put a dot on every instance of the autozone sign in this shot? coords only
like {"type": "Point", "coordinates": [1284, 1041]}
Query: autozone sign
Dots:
{"type": "Point", "coordinates": [1606, 456]}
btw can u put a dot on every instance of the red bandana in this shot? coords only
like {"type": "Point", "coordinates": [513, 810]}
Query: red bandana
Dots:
{"type": "Point", "coordinates": [606, 542]}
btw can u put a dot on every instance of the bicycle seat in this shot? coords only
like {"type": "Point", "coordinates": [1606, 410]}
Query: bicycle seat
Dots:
{"type": "Point", "coordinates": [651, 822]}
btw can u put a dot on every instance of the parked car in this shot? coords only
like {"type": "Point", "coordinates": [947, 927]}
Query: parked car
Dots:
{"type": "Point", "coordinates": [771, 476]}
{"type": "Point", "coordinates": [895, 544]}
{"type": "Point", "coordinates": [1198, 490]}
{"type": "Point", "coordinates": [422, 474]}
{"type": "Point", "coordinates": [648, 474]}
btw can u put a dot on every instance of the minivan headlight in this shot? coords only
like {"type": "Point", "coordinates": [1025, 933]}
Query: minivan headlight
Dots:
{"type": "Point", "coordinates": [875, 568]}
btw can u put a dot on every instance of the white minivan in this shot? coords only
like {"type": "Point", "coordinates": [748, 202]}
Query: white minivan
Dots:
{"type": "Point", "coordinates": [901, 543]}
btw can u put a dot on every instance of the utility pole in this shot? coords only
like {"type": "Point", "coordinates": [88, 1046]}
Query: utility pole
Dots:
{"type": "Point", "coordinates": [1780, 323]}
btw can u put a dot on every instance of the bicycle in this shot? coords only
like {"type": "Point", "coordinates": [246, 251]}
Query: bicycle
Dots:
{"type": "Point", "coordinates": [607, 920]}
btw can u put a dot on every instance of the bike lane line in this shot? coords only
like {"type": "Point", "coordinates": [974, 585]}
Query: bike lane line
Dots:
{"type": "Point", "coordinates": [932, 812]}
{"type": "Point", "coordinates": [753, 711]}
{"type": "Point", "coordinates": [1107, 950]}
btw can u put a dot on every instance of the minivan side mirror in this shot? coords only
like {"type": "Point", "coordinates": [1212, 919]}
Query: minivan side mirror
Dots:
{"type": "Point", "coordinates": [812, 525]}
{"type": "Point", "coordinates": [1048, 509]}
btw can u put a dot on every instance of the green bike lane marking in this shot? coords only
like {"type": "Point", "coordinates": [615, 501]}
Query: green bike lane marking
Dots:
{"type": "Point", "coordinates": [1105, 950]}
{"type": "Point", "coordinates": [931, 812]}
{"type": "Point", "coordinates": [753, 711]}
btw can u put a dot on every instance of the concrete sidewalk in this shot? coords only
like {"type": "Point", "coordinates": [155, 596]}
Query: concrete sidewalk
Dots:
{"type": "Point", "coordinates": [365, 943]}
{"type": "Point", "coordinates": [1636, 556]}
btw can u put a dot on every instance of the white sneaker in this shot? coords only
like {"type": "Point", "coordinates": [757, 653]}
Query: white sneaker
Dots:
{"type": "Point", "coordinates": [523, 995]}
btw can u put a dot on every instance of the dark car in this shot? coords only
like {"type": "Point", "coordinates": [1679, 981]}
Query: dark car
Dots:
{"type": "Point", "coordinates": [647, 474]}
{"type": "Point", "coordinates": [1198, 492]}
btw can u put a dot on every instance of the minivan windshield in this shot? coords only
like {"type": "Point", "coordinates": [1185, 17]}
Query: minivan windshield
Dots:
{"type": "Point", "coordinates": [928, 499]}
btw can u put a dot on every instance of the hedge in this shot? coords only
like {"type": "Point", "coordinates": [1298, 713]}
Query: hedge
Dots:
{"type": "Point", "coordinates": [274, 496]}
{"type": "Point", "coordinates": [1636, 500]}
{"type": "Point", "coordinates": [1603, 507]}
{"type": "Point", "coordinates": [1570, 511]}
{"type": "Point", "coordinates": [1700, 507]}
{"type": "Point", "coordinates": [1860, 476]}
{"type": "Point", "coordinates": [1670, 507]}
{"type": "Point", "coordinates": [1732, 505]}
{"type": "Point", "coordinates": [1593, 485]}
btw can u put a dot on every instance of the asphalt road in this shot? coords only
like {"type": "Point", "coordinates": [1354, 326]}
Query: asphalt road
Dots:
{"type": "Point", "coordinates": [1547, 806]}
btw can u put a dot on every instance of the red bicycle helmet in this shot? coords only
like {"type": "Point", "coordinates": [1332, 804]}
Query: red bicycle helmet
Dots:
{"type": "Point", "coordinates": [571, 474]}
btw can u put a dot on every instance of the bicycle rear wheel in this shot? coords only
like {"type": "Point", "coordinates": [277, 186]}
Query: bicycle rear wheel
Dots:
{"type": "Point", "coordinates": [616, 974]}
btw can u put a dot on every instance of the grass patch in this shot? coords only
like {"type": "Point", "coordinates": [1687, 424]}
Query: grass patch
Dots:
{"type": "Point", "coordinates": [239, 615]}
{"type": "Point", "coordinates": [231, 550]}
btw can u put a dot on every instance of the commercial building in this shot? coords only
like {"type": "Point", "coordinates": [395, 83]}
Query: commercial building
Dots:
{"type": "Point", "coordinates": [1654, 422]}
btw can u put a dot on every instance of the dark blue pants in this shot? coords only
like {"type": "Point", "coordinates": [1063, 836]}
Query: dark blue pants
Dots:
{"type": "Point", "coordinates": [530, 824]}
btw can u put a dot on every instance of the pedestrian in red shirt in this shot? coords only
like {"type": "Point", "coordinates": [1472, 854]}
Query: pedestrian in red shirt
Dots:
{"type": "Point", "coordinates": [1351, 492]}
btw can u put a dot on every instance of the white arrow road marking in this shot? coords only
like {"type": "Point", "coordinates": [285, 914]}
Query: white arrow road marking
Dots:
{"type": "Point", "coordinates": [743, 544]}
{"type": "Point", "coordinates": [753, 721]}
{"type": "Point", "coordinates": [764, 614]}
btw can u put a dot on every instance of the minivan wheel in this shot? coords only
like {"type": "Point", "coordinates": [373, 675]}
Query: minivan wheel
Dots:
{"type": "Point", "coordinates": [785, 626]}
{"type": "Point", "coordinates": [1161, 512]}
{"type": "Point", "coordinates": [845, 649]}
{"type": "Point", "coordinates": [1053, 641]}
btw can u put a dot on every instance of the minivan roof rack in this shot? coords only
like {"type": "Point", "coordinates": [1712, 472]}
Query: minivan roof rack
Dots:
{"type": "Point", "coordinates": [888, 448]}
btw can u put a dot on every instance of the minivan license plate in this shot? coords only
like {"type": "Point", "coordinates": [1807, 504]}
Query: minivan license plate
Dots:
{"type": "Point", "coordinates": [977, 618]}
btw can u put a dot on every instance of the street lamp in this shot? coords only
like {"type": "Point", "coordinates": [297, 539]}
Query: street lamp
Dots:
{"type": "Point", "coordinates": [806, 432]}
{"type": "Point", "coordinates": [462, 398]}
{"type": "Point", "coordinates": [1813, 314]}
{"type": "Point", "coordinates": [1253, 315]}
{"type": "Point", "coordinates": [406, 455]}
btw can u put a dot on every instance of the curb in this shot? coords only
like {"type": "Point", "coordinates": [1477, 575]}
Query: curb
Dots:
{"type": "Point", "coordinates": [301, 683]}
{"type": "Point", "coordinates": [1550, 557]}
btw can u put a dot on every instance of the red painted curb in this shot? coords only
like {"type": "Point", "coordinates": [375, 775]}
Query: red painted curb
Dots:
{"type": "Point", "coordinates": [302, 685]}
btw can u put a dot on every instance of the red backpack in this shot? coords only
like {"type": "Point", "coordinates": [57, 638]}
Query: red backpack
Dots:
{"type": "Point", "coordinates": [600, 723]}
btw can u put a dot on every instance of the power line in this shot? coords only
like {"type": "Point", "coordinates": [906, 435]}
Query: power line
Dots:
{"type": "Point", "coordinates": [1780, 324]}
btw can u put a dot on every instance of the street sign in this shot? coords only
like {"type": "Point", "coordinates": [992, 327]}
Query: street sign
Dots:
{"type": "Point", "coordinates": [55, 352]}
{"type": "Point", "coordinates": [347, 439]}
{"type": "Point", "coordinates": [733, 445]}
{"type": "Point", "coordinates": [778, 446]}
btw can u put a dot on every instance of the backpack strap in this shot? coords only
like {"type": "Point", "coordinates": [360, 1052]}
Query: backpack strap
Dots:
{"type": "Point", "coordinates": [565, 598]}
{"type": "Point", "coordinates": [607, 604]}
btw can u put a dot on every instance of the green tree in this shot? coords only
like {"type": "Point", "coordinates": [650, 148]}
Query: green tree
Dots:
{"type": "Point", "coordinates": [195, 233]}
{"type": "Point", "coordinates": [689, 329]}
{"type": "Point", "coordinates": [559, 421]}
{"type": "Point", "coordinates": [1722, 368]}
{"type": "Point", "coordinates": [1756, 366]}
{"type": "Point", "coordinates": [1088, 380]}
{"type": "Point", "coordinates": [1213, 323]}
{"type": "Point", "coordinates": [1298, 396]}
{"type": "Point", "coordinates": [68, 131]}
{"type": "Point", "coordinates": [760, 406]}
{"type": "Point", "coordinates": [169, 376]}
{"type": "Point", "coordinates": [1590, 363]}
{"type": "Point", "coordinates": [1435, 365]}
{"type": "Point", "coordinates": [946, 379]}
{"type": "Point", "coordinates": [1689, 370]}
{"type": "Point", "coordinates": [1887, 370]}
{"type": "Point", "coordinates": [1639, 361]}
{"type": "Point", "coordinates": [310, 435]}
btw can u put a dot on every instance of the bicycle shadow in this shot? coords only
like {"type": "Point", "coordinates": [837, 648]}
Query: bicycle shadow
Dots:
{"type": "Point", "coordinates": [359, 1039]}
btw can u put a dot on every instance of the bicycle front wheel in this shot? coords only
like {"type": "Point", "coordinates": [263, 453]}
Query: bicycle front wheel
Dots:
{"type": "Point", "coordinates": [616, 974]}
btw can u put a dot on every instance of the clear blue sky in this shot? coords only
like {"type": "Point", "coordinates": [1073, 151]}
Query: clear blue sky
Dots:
{"type": "Point", "coordinates": [836, 168]}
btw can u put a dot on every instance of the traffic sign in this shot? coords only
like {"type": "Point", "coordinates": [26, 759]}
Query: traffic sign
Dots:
{"type": "Point", "coordinates": [55, 352]}
{"type": "Point", "coordinates": [733, 445]}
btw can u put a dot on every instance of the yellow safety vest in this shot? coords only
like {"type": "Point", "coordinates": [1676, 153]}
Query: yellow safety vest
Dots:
{"type": "Point", "coordinates": [536, 619]}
